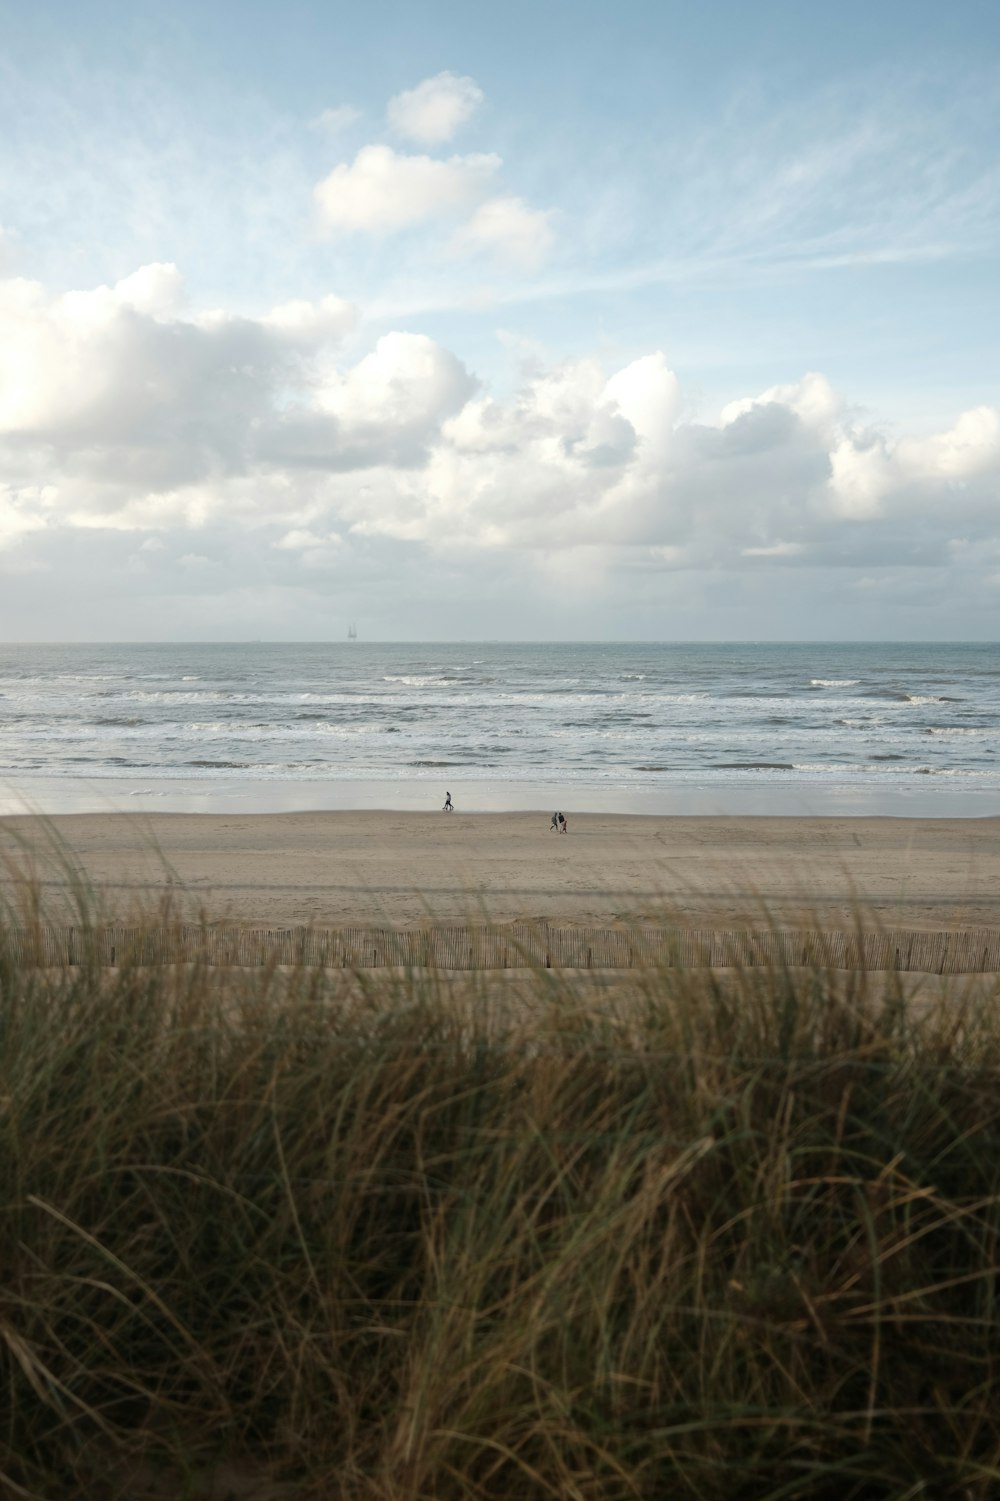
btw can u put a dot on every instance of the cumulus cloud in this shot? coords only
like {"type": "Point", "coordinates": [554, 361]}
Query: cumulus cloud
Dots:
{"type": "Point", "coordinates": [558, 465]}
{"type": "Point", "coordinates": [384, 410]}
{"type": "Point", "coordinates": [313, 323]}
{"type": "Point", "coordinates": [510, 229]}
{"type": "Point", "coordinates": [431, 113]}
{"type": "Point", "coordinates": [383, 190]}
{"type": "Point", "coordinates": [580, 459]}
{"type": "Point", "coordinates": [646, 394]}
{"type": "Point", "coordinates": [121, 411]}
{"type": "Point", "coordinates": [408, 380]}
{"type": "Point", "coordinates": [157, 289]}
{"type": "Point", "coordinates": [812, 399]}
{"type": "Point", "coordinates": [867, 470]}
{"type": "Point", "coordinates": [116, 388]}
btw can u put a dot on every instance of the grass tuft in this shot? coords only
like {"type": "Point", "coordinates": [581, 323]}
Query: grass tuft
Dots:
{"type": "Point", "coordinates": [304, 1233]}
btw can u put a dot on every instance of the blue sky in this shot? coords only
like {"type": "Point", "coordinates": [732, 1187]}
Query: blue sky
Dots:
{"type": "Point", "coordinates": [635, 320]}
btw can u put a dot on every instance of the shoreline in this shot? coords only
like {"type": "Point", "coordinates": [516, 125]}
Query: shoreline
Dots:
{"type": "Point", "coordinates": [771, 795]}
{"type": "Point", "coordinates": [405, 869]}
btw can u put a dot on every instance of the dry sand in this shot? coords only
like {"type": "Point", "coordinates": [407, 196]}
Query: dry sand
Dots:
{"type": "Point", "coordinates": [336, 869]}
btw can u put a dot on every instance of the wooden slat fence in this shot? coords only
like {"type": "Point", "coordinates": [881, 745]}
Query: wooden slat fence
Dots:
{"type": "Point", "coordinates": [517, 945]}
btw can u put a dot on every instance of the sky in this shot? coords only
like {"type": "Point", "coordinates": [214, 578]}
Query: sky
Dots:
{"type": "Point", "coordinates": [458, 322]}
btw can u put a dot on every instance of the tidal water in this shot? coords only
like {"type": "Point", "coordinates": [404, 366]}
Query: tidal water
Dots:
{"type": "Point", "coordinates": [879, 727]}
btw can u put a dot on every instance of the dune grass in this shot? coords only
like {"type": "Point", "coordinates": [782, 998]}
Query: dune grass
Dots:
{"type": "Point", "coordinates": [295, 1233]}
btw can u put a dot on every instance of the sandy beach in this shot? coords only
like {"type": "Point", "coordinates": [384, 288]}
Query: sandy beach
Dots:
{"type": "Point", "coordinates": [406, 869]}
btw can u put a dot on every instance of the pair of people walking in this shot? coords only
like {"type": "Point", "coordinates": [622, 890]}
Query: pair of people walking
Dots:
{"type": "Point", "coordinates": [558, 819]}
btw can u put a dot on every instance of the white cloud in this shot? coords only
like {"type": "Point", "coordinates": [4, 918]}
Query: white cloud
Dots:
{"type": "Point", "coordinates": [518, 234]}
{"type": "Point", "coordinates": [157, 289]}
{"type": "Point", "coordinates": [550, 468]}
{"type": "Point", "coordinates": [861, 473]}
{"type": "Point", "coordinates": [323, 559]}
{"type": "Point", "coordinates": [386, 409]}
{"type": "Point", "coordinates": [778, 550]}
{"type": "Point", "coordinates": [812, 398]}
{"type": "Point", "coordinates": [407, 380]}
{"type": "Point", "coordinates": [21, 511]}
{"type": "Point", "coordinates": [252, 434]}
{"type": "Point", "coordinates": [340, 117]}
{"type": "Point", "coordinates": [309, 323]}
{"type": "Point", "coordinates": [299, 539]}
{"type": "Point", "coordinates": [383, 190]}
{"type": "Point", "coordinates": [576, 459]}
{"type": "Point", "coordinates": [431, 113]}
{"type": "Point", "coordinates": [645, 393]}
{"type": "Point", "coordinates": [963, 452]}
{"type": "Point", "coordinates": [119, 388]}
{"type": "Point", "coordinates": [866, 468]}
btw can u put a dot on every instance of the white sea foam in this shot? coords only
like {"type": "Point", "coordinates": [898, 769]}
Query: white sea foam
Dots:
{"type": "Point", "coordinates": [192, 696]}
{"type": "Point", "coordinates": [696, 716]}
{"type": "Point", "coordinates": [434, 681]}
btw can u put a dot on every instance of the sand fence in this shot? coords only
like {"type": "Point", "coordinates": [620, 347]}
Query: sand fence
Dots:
{"type": "Point", "coordinates": [511, 946]}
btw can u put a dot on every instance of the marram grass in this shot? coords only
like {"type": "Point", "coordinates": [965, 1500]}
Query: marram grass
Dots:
{"type": "Point", "coordinates": [295, 1233]}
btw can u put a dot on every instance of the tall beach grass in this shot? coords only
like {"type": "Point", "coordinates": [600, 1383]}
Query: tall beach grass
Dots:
{"type": "Point", "coordinates": [292, 1232]}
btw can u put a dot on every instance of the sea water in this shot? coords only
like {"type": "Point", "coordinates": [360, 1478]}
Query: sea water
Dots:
{"type": "Point", "coordinates": [749, 727]}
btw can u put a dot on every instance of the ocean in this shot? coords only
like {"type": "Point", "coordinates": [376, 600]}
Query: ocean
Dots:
{"type": "Point", "coordinates": [749, 727]}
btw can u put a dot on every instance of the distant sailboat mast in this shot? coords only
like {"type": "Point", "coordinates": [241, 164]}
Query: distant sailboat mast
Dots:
{"type": "Point", "coordinates": [352, 632]}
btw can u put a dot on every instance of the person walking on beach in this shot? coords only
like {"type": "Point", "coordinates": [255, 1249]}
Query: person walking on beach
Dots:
{"type": "Point", "coordinates": [558, 823]}
{"type": "Point", "coordinates": [563, 825]}
{"type": "Point", "coordinates": [449, 806]}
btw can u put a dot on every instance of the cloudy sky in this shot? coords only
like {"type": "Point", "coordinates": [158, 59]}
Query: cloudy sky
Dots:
{"type": "Point", "coordinates": [545, 320]}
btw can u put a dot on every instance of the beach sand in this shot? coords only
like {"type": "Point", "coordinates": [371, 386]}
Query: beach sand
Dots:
{"type": "Point", "coordinates": [402, 869]}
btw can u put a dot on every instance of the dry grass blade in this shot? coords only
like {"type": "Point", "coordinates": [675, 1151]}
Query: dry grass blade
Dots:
{"type": "Point", "coordinates": [403, 1233]}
